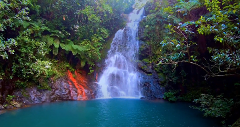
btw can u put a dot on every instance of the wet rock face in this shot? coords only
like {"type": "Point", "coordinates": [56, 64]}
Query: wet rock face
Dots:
{"type": "Point", "coordinates": [60, 90]}
{"type": "Point", "coordinates": [150, 83]}
{"type": "Point", "coordinates": [151, 89]}
{"type": "Point", "coordinates": [32, 96]}
{"type": "Point", "coordinates": [144, 68]}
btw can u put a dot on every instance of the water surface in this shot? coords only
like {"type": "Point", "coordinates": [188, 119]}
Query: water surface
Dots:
{"type": "Point", "coordinates": [107, 113]}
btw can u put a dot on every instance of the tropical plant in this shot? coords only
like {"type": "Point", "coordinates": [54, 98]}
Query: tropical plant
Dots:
{"type": "Point", "coordinates": [35, 34]}
{"type": "Point", "coordinates": [178, 46]}
{"type": "Point", "coordinates": [170, 96]}
{"type": "Point", "coordinates": [9, 98]}
{"type": "Point", "coordinates": [185, 7]}
{"type": "Point", "coordinates": [214, 106]}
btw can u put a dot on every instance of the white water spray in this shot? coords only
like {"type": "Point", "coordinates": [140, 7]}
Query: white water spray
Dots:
{"type": "Point", "coordinates": [120, 78]}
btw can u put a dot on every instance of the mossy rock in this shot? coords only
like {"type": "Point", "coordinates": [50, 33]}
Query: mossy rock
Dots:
{"type": "Point", "coordinates": [144, 68]}
{"type": "Point", "coordinates": [16, 104]}
{"type": "Point", "coordinates": [237, 123]}
{"type": "Point", "coordinates": [162, 77]}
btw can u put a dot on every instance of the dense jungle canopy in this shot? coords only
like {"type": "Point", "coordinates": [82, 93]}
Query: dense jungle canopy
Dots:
{"type": "Point", "coordinates": [41, 38]}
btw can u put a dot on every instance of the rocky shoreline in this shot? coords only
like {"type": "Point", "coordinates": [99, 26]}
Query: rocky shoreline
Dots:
{"type": "Point", "coordinates": [61, 90]}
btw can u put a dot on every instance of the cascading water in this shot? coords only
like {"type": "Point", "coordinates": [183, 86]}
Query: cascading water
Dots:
{"type": "Point", "coordinates": [120, 78]}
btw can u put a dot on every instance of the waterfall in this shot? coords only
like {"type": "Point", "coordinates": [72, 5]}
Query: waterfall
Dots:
{"type": "Point", "coordinates": [120, 77]}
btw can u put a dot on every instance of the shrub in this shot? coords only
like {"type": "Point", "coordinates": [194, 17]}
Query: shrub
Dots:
{"type": "Point", "coordinates": [9, 98]}
{"type": "Point", "coordinates": [214, 106]}
{"type": "Point", "coordinates": [170, 96]}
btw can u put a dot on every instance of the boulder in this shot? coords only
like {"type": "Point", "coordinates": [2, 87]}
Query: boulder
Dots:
{"type": "Point", "coordinates": [1, 107]}
{"type": "Point", "coordinates": [60, 90]}
{"type": "Point", "coordinates": [9, 107]}
{"type": "Point", "coordinates": [16, 104]}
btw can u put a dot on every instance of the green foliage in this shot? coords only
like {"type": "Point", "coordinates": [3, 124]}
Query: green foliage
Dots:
{"type": "Point", "coordinates": [168, 75]}
{"type": "Point", "coordinates": [214, 106]}
{"type": "Point", "coordinates": [23, 50]}
{"type": "Point", "coordinates": [224, 24]}
{"type": "Point", "coordinates": [192, 93]}
{"type": "Point", "coordinates": [9, 98]}
{"type": "Point", "coordinates": [25, 94]}
{"type": "Point", "coordinates": [59, 69]}
{"type": "Point", "coordinates": [236, 124]}
{"type": "Point", "coordinates": [170, 96]}
{"type": "Point", "coordinates": [83, 32]}
{"type": "Point", "coordinates": [171, 41]}
{"type": "Point", "coordinates": [7, 47]}
{"type": "Point", "coordinates": [36, 36]}
{"type": "Point", "coordinates": [155, 30]}
{"type": "Point", "coordinates": [44, 85]}
{"type": "Point", "coordinates": [23, 84]}
{"type": "Point", "coordinates": [186, 34]}
{"type": "Point", "coordinates": [11, 19]}
{"type": "Point", "coordinates": [91, 70]}
{"type": "Point", "coordinates": [185, 7]}
{"type": "Point", "coordinates": [146, 61]}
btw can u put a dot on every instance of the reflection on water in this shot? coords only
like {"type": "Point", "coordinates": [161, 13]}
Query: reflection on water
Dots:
{"type": "Point", "coordinates": [107, 113]}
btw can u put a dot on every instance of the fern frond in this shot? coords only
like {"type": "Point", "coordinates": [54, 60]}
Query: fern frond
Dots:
{"type": "Point", "coordinates": [56, 43]}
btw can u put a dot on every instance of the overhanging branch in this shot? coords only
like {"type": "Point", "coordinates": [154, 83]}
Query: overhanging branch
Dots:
{"type": "Point", "coordinates": [209, 73]}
